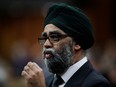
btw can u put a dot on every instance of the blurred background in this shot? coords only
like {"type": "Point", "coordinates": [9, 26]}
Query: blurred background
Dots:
{"type": "Point", "coordinates": [21, 24]}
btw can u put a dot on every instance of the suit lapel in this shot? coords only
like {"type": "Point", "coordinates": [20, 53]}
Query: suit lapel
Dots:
{"type": "Point", "coordinates": [77, 79]}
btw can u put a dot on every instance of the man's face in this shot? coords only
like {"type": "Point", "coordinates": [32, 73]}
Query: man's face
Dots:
{"type": "Point", "coordinates": [57, 49]}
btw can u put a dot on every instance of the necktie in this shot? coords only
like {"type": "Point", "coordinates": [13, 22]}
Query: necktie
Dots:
{"type": "Point", "coordinates": [57, 81]}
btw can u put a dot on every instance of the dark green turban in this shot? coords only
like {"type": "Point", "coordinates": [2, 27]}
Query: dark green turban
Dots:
{"type": "Point", "coordinates": [73, 22]}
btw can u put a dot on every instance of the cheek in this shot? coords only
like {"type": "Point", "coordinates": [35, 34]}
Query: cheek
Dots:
{"type": "Point", "coordinates": [58, 47]}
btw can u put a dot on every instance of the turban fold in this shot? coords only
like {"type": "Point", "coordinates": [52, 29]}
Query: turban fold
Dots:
{"type": "Point", "coordinates": [73, 22]}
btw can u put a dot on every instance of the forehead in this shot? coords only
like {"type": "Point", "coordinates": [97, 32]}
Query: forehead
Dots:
{"type": "Point", "coordinates": [52, 28]}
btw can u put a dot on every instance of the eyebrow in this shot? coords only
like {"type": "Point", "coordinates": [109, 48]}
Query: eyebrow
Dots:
{"type": "Point", "coordinates": [55, 32]}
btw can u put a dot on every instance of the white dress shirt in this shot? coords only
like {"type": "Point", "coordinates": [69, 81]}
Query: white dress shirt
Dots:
{"type": "Point", "coordinates": [71, 70]}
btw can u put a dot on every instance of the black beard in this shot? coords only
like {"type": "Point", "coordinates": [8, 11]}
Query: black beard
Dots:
{"type": "Point", "coordinates": [60, 61]}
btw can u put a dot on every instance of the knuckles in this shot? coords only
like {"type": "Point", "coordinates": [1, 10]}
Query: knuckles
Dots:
{"type": "Point", "coordinates": [32, 70]}
{"type": "Point", "coordinates": [26, 68]}
{"type": "Point", "coordinates": [33, 74]}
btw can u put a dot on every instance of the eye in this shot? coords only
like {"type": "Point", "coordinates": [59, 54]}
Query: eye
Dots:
{"type": "Point", "coordinates": [55, 37]}
{"type": "Point", "coordinates": [42, 40]}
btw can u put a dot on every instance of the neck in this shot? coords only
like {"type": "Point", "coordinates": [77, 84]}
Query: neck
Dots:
{"type": "Point", "coordinates": [78, 56]}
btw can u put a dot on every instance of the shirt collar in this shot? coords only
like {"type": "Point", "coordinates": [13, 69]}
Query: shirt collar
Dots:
{"type": "Point", "coordinates": [72, 69]}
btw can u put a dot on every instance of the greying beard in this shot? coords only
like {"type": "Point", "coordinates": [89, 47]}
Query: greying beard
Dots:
{"type": "Point", "coordinates": [60, 61]}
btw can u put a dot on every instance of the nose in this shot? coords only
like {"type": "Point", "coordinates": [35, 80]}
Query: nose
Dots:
{"type": "Point", "coordinates": [48, 44]}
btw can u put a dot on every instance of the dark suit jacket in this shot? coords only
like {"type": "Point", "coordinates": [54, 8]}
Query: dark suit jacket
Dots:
{"type": "Point", "coordinates": [86, 76]}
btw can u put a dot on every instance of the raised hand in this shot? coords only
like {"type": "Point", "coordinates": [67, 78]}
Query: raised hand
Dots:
{"type": "Point", "coordinates": [33, 75]}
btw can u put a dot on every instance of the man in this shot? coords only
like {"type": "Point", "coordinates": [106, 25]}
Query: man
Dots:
{"type": "Point", "coordinates": [66, 36]}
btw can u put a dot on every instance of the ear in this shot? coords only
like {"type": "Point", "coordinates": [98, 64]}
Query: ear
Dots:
{"type": "Point", "coordinates": [77, 47]}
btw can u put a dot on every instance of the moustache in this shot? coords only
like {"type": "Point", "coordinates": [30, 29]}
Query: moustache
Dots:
{"type": "Point", "coordinates": [48, 53]}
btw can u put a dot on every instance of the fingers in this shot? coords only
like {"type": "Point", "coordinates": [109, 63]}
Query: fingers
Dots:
{"type": "Point", "coordinates": [26, 75]}
{"type": "Point", "coordinates": [34, 75]}
{"type": "Point", "coordinates": [33, 66]}
{"type": "Point", "coordinates": [31, 71]}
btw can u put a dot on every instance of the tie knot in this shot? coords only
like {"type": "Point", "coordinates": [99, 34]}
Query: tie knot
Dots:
{"type": "Point", "coordinates": [57, 81]}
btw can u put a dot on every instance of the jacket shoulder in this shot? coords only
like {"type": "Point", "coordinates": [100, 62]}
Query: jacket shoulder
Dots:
{"type": "Point", "coordinates": [95, 79]}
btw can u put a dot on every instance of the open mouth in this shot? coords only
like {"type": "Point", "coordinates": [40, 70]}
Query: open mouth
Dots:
{"type": "Point", "coordinates": [48, 54]}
